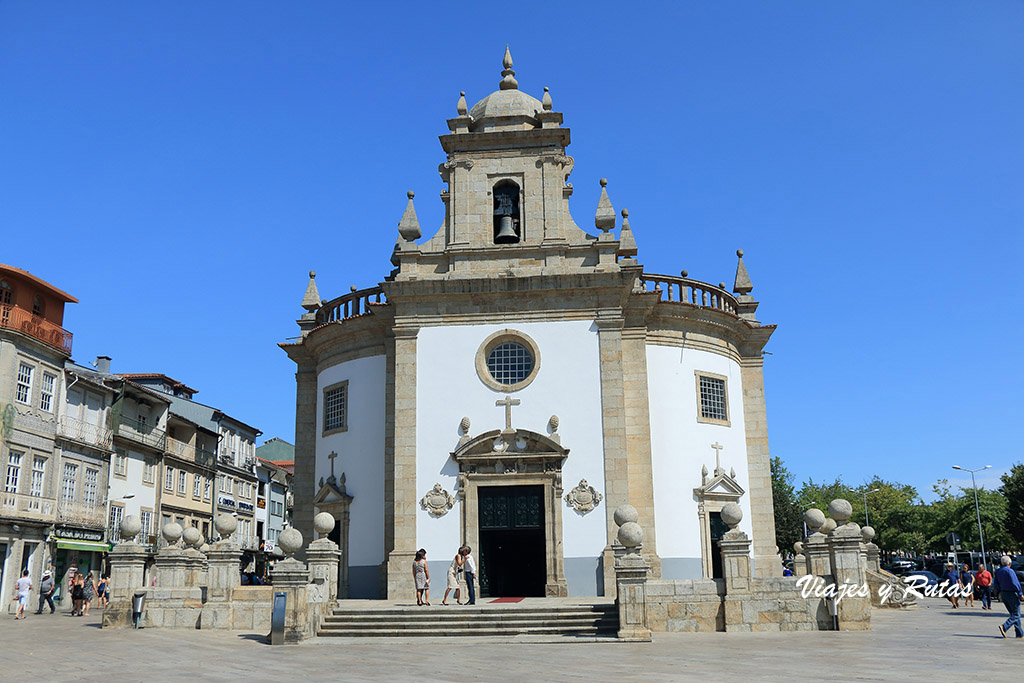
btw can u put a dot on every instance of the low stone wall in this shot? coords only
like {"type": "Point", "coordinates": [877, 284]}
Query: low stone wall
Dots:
{"type": "Point", "coordinates": [776, 604]}
{"type": "Point", "coordinates": [251, 607]}
{"type": "Point", "coordinates": [686, 605]}
{"type": "Point", "coordinates": [173, 608]}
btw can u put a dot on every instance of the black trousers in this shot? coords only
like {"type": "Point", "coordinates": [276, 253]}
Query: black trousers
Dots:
{"type": "Point", "coordinates": [44, 598]}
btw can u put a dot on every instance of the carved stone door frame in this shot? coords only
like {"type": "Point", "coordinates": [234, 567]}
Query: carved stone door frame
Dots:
{"type": "Point", "coordinates": [333, 498]}
{"type": "Point", "coordinates": [711, 497]}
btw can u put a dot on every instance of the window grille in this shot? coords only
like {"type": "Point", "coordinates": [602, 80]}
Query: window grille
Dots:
{"type": "Point", "coordinates": [336, 408]}
{"type": "Point", "coordinates": [712, 398]}
{"type": "Point", "coordinates": [509, 363]}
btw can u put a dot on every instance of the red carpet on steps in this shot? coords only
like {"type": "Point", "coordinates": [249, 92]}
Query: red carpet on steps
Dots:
{"type": "Point", "coordinates": [507, 600]}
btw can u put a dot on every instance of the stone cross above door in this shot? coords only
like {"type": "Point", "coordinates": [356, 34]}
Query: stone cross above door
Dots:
{"type": "Point", "coordinates": [508, 403]}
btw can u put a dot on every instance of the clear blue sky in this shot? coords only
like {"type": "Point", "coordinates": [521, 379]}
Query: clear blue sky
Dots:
{"type": "Point", "coordinates": [179, 167]}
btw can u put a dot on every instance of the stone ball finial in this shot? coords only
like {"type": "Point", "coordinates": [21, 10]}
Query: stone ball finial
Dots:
{"type": "Point", "coordinates": [290, 540]}
{"type": "Point", "coordinates": [798, 548]}
{"type": "Point", "coordinates": [828, 527]}
{"type": "Point", "coordinates": [684, 273]}
{"type": "Point", "coordinates": [624, 514]}
{"type": "Point", "coordinates": [867, 533]}
{"type": "Point", "coordinates": [732, 514]}
{"type": "Point", "coordinates": [312, 274]}
{"type": "Point", "coordinates": [464, 424]}
{"type": "Point", "coordinates": [721, 285]}
{"type": "Point", "coordinates": [604, 182]}
{"type": "Point", "coordinates": [225, 525]}
{"type": "Point", "coordinates": [410, 194]}
{"type": "Point", "coordinates": [739, 252]}
{"type": "Point", "coordinates": [631, 534]}
{"type": "Point", "coordinates": [840, 510]}
{"type": "Point", "coordinates": [192, 536]}
{"type": "Point", "coordinates": [323, 523]}
{"type": "Point", "coordinates": [171, 532]}
{"type": "Point", "coordinates": [625, 213]}
{"type": "Point", "coordinates": [814, 518]}
{"type": "Point", "coordinates": [131, 526]}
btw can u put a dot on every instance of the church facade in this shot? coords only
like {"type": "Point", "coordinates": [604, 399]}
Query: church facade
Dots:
{"type": "Point", "coordinates": [516, 378]}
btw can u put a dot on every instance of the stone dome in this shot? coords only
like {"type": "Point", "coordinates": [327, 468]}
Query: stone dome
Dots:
{"type": "Point", "coordinates": [506, 103]}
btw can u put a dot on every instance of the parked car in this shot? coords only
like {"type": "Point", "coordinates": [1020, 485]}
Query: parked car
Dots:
{"type": "Point", "coordinates": [901, 567]}
{"type": "Point", "coordinates": [930, 578]}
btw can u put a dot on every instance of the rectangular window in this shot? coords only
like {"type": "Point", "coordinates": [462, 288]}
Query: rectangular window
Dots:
{"type": "Point", "coordinates": [169, 479]}
{"type": "Point", "coordinates": [207, 485]}
{"type": "Point", "coordinates": [46, 393]}
{"type": "Point", "coordinates": [90, 487]}
{"type": "Point", "coordinates": [148, 471]}
{"type": "Point", "coordinates": [23, 394]}
{"type": "Point", "coordinates": [116, 515]}
{"type": "Point", "coordinates": [182, 481]}
{"type": "Point", "coordinates": [146, 518]}
{"type": "Point", "coordinates": [712, 404]}
{"type": "Point", "coordinates": [120, 464]}
{"type": "Point", "coordinates": [38, 476]}
{"type": "Point", "coordinates": [69, 482]}
{"type": "Point", "coordinates": [197, 486]}
{"type": "Point", "coordinates": [13, 471]}
{"type": "Point", "coordinates": [336, 407]}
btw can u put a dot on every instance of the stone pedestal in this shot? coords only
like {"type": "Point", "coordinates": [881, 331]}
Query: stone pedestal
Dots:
{"type": "Point", "coordinates": [195, 562]}
{"type": "Point", "coordinates": [844, 544]}
{"type": "Point", "coordinates": [631, 572]}
{"type": "Point", "coordinates": [223, 576]}
{"type": "Point", "coordinates": [323, 557]}
{"type": "Point", "coordinates": [127, 571]}
{"type": "Point", "coordinates": [817, 556]}
{"type": "Point", "coordinates": [292, 577]}
{"type": "Point", "coordinates": [735, 547]}
{"type": "Point", "coordinates": [172, 566]}
{"type": "Point", "coordinates": [800, 565]}
{"type": "Point", "coordinates": [873, 557]}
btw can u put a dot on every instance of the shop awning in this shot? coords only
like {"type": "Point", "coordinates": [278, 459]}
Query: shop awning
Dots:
{"type": "Point", "coordinates": [87, 546]}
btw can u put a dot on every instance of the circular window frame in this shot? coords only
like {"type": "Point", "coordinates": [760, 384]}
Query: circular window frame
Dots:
{"type": "Point", "coordinates": [488, 345]}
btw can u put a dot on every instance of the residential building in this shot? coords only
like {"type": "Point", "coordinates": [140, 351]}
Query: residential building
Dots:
{"type": "Point", "coordinates": [33, 349]}
{"type": "Point", "coordinates": [271, 502]}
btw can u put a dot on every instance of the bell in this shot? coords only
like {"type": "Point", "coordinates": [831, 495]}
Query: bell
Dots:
{"type": "Point", "coordinates": [506, 234]}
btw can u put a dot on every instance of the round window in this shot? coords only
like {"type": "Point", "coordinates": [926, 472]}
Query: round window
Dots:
{"type": "Point", "coordinates": [507, 360]}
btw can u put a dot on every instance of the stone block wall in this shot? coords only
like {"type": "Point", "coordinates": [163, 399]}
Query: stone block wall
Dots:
{"type": "Point", "coordinates": [172, 608]}
{"type": "Point", "coordinates": [686, 606]}
{"type": "Point", "coordinates": [251, 607]}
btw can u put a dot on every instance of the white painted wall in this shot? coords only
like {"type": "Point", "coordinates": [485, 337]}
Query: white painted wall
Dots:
{"type": "Point", "coordinates": [680, 445]}
{"type": "Point", "coordinates": [360, 452]}
{"type": "Point", "coordinates": [145, 495]}
{"type": "Point", "coordinates": [567, 384]}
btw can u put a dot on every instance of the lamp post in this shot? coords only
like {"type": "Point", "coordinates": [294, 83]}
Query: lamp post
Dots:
{"type": "Point", "coordinates": [808, 505]}
{"type": "Point", "coordinates": [977, 510]}
{"type": "Point", "coordinates": [866, 522]}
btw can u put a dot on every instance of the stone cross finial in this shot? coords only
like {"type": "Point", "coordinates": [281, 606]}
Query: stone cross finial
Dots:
{"type": "Point", "coordinates": [409, 226]}
{"type": "Point", "coordinates": [604, 219]}
{"type": "Point", "coordinates": [742, 284]}
{"type": "Point", "coordinates": [508, 80]}
{"type": "Point", "coordinates": [461, 106]}
{"type": "Point", "coordinates": [331, 456]}
{"type": "Point", "coordinates": [718, 452]}
{"type": "Point", "coordinates": [311, 300]}
{"type": "Point", "coordinates": [508, 403]}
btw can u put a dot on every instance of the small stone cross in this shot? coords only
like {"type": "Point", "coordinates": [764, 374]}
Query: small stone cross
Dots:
{"type": "Point", "coordinates": [718, 451]}
{"type": "Point", "coordinates": [331, 457]}
{"type": "Point", "coordinates": [508, 403]}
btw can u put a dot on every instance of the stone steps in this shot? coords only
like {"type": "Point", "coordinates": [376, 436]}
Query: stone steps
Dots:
{"type": "Point", "coordinates": [571, 620]}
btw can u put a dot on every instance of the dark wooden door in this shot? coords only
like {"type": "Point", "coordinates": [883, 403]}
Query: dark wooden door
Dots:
{"type": "Point", "coordinates": [512, 558]}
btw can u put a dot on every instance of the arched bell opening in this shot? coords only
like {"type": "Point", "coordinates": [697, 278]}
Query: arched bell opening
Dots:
{"type": "Point", "coordinates": [507, 223]}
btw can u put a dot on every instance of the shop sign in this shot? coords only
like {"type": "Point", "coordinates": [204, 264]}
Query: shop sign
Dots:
{"type": "Point", "coordinates": [225, 502]}
{"type": "Point", "coordinates": [78, 534]}
{"type": "Point", "coordinates": [261, 503]}
{"type": "Point", "coordinates": [245, 506]}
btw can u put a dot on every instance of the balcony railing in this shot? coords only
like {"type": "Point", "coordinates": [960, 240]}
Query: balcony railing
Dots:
{"type": "Point", "coordinates": [686, 291]}
{"type": "Point", "coordinates": [85, 432]}
{"type": "Point", "coordinates": [23, 506]}
{"type": "Point", "coordinates": [140, 432]}
{"type": "Point", "coordinates": [356, 302]}
{"type": "Point", "coordinates": [77, 513]}
{"type": "Point", "coordinates": [187, 451]}
{"type": "Point", "coordinates": [17, 318]}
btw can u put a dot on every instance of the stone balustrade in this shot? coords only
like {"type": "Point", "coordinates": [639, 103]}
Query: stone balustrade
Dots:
{"type": "Point", "coordinates": [686, 291]}
{"type": "Point", "coordinates": [355, 303]}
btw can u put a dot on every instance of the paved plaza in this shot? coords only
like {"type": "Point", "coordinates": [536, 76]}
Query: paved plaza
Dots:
{"type": "Point", "coordinates": [931, 642]}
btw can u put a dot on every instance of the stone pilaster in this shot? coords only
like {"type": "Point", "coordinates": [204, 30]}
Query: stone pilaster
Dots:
{"type": "Point", "coordinates": [616, 467]}
{"type": "Point", "coordinates": [400, 467]}
{"type": "Point", "coordinates": [172, 568]}
{"type": "Point", "coordinates": [224, 561]}
{"type": "Point", "coordinates": [127, 575]}
{"type": "Point", "coordinates": [735, 547]}
{"type": "Point", "coordinates": [873, 557]}
{"type": "Point", "coordinates": [304, 481]}
{"type": "Point", "coordinates": [323, 557]}
{"type": "Point", "coordinates": [848, 569]}
{"type": "Point", "coordinates": [799, 565]}
{"type": "Point", "coordinates": [292, 577]}
{"type": "Point", "coordinates": [818, 562]}
{"type": "Point", "coordinates": [631, 595]}
{"type": "Point", "coordinates": [759, 475]}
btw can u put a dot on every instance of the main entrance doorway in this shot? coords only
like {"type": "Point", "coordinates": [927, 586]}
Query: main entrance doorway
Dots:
{"type": "Point", "coordinates": [512, 561]}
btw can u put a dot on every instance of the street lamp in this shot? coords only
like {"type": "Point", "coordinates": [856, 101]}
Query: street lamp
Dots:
{"type": "Point", "coordinates": [977, 510]}
{"type": "Point", "coordinates": [866, 522]}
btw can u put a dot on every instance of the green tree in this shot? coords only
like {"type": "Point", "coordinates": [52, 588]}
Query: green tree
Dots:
{"type": "Point", "coordinates": [788, 514]}
{"type": "Point", "coordinates": [820, 495]}
{"type": "Point", "coordinates": [1013, 491]}
{"type": "Point", "coordinates": [891, 512]}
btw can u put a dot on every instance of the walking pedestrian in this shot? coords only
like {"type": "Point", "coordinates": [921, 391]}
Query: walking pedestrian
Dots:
{"type": "Point", "coordinates": [101, 592]}
{"type": "Point", "coordinates": [453, 578]}
{"type": "Point", "coordinates": [421, 577]}
{"type": "Point", "coordinates": [967, 580]}
{"type": "Point", "coordinates": [88, 592]}
{"type": "Point", "coordinates": [46, 588]}
{"type": "Point", "coordinates": [23, 586]}
{"type": "Point", "coordinates": [952, 580]}
{"type": "Point", "coordinates": [983, 578]}
{"type": "Point", "coordinates": [76, 595]}
{"type": "Point", "coordinates": [1009, 592]}
{"type": "Point", "coordinates": [469, 567]}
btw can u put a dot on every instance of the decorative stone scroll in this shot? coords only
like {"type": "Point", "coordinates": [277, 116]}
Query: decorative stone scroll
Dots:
{"type": "Point", "coordinates": [584, 498]}
{"type": "Point", "coordinates": [437, 501]}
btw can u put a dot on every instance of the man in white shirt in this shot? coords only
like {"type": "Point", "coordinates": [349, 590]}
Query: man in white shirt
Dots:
{"type": "Point", "coordinates": [23, 586]}
{"type": "Point", "coordinates": [469, 568]}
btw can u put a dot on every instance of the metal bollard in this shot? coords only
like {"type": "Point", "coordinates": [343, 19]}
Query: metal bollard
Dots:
{"type": "Point", "coordinates": [277, 618]}
{"type": "Point", "coordinates": [138, 601]}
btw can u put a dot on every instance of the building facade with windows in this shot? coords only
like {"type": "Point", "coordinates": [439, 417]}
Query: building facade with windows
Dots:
{"type": "Point", "coordinates": [33, 349]}
{"type": "Point", "coordinates": [517, 377]}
